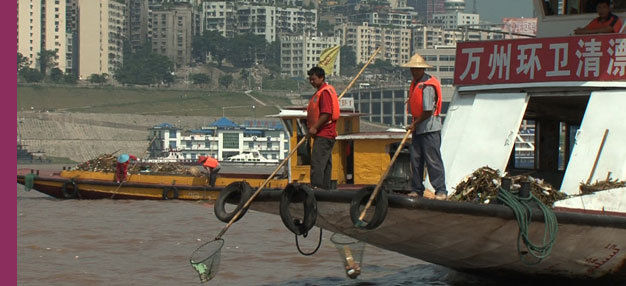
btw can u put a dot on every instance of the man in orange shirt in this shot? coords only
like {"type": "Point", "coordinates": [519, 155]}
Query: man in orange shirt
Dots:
{"type": "Point", "coordinates": [606, 22]}
{"type": "Point", "coordinates": [212, 166]}
{"type": "Point", "coordinates": [322, 115]}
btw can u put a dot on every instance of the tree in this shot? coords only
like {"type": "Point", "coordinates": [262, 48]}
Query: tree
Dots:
{"type": "Point", "coordinates": [324, 27]}
{"type": "Point", "coordinates": [47, 59]}
{"type": "Point", "coordinates": [22, 61]}
{"type": "Point", "coordinates": [145, 67]}
{"type": "Point", "coordinates": [70, 78]}
{"type": "Point", "coordinates": [272, 57]}
{"type": "Point", "coordinates": [348, 60]}
{"type": "Point", "coordinates": [226, 80]}
{"type": "Point", "coordinates": [31, 75]}
{"type": "Point", "coordinates": [200, 78]}
{"type": "Point", "coordinates": [98, 78]}
{"type": "Point", "coordinates": [56, 75]}
{"type": "Point", "coordinates": [211, 42]}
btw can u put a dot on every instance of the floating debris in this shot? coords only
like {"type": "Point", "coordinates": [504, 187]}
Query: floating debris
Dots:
{"type": "Point", "coordinates": [483, 184]}
{"type": "Point", "coordinates": [601, 186]}
{"type": "Point", "coordinates": [107, 163]}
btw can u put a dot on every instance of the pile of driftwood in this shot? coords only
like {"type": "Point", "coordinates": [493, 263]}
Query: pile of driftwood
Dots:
{"type": "Point", "coordinates": [107, 163]}
{"type": "Point", "coordinates": [482, 186]}
{"type": "Point", "coordinates": [601, 186]}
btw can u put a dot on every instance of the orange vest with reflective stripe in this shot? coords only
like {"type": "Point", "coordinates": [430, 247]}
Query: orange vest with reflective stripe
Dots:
{"type": "Point", "coordinates": [313, 110]}
{"type": "Point", "coordinates": [210, 162]}
{"type": "Point", "coordinates": [416, 98]}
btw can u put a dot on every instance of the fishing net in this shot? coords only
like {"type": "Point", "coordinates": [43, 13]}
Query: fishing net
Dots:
{"type": "Point", "coordinates": [206, 259]}
{"type": "Point", "coordinates": [29, 181]}
{"type": "Point", "coordinates": [351, 253]}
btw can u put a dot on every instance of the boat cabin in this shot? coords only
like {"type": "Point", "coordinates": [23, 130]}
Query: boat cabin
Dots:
{"type": "Point", "coordinates": [558, 98]}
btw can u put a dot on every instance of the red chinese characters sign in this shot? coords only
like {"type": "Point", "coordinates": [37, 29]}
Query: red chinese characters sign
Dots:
{"type": "Point", "coordinates": [584, 58]}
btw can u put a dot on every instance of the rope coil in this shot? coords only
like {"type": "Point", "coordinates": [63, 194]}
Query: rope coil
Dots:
{"type": "Point", "coordinates": [523, 214]}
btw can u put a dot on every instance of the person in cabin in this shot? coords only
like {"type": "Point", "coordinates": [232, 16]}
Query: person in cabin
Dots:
{"type": "Point", "coordinates": [606, 22]}
{"type": "Point", "coordinates": [212, 166]}
{"type": "Point", "coordinates": [424, 105]}
{"type": "Point", "coordinates": [322, 115]}
{"type": "Point", "coordinates": [121, 167]}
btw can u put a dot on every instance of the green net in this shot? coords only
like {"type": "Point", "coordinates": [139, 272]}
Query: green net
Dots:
{"type": "Point", "coordinates": [29, 181]}
{"type": "Point", "coordinates": [351, 253]}
{"type": "Point", "coordinates": [206, 259]}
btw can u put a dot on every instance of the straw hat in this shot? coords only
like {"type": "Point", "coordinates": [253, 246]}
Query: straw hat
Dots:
{"type": "Point", "coordinates": [416, 61]}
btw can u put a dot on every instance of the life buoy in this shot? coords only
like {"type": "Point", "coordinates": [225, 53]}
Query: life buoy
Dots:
{"type": "Point", "coordinates": [241, 190]}
{"type": "Point", "coordinates": [294, 193]}
{"type": "Point", "coordinates": [361, 198]}
{"type": "Point", "coordinates": [166, 192]}
{"type": "Point", "coordinates": [70, 194]}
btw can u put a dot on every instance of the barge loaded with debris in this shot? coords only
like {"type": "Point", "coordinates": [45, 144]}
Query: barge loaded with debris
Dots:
{"type": "Point", "coordinates": [501, 219]}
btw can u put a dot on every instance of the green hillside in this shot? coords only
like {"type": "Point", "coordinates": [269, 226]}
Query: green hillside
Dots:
{"type": "Point", "coordinates": [144, 101]}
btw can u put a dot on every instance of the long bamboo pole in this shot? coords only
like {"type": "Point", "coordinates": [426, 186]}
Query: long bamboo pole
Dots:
{"type": "Point", "coordinates": [256, 193]}
{"type": "Point", "coordinates": [362, 223]}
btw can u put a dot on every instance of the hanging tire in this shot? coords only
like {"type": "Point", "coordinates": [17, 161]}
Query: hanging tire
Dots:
{"type": "Point", "coordinates": [361, 198]}
{"type": "Point", "coordinates": [242, 190]}
{"type": "Point", "coordinates": [166, 192]}
{"type": "Point", "coordinates": [70, 194]}
{"type": "Point", "coordinates": [294, 193]}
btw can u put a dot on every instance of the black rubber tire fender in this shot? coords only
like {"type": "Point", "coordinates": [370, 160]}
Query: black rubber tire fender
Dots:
{"type": "Point", "coordinates": [74, 193]}
{"type": "Point", "coordinates": [241, 189]}
{"type": "Point", "coordinates": [310, 208]}
{"type": "Point", "coordinates": [361, 198]}
{"type": "Point", "coordinates": [167, 190]}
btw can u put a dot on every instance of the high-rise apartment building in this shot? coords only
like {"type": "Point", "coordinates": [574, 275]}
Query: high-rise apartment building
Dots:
{"type": "Point", "coordinates": [101, 36]}
{"type": "Point", "coordinates": [454, 20]}
{"type": "Point", "coordinates": [427, 8]}
{"type": "Point", "coordinates": [364, 39]}
{"type": "Point", "coordinates": [271, 21]}
{"type": "Point", "coordinates": [219, 16]}
{"type": "Point", "coordinates": [393, 18]}
{"type": "Point", "coordinates": [298, 54]}
{"type": "Point", "coordinates": [172, 28]}
{"type": "Point", "coordinates": [138, 24]}
{"type": "Point", "coordinates": [41, 25]}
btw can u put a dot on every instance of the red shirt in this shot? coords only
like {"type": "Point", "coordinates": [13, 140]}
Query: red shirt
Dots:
{"type": "Point", "coordinates": [613, 22]}
{"type": "Point", "coordinates": [327, 130]}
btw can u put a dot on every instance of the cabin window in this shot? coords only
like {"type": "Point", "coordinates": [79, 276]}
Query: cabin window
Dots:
{"type": "Point", "coordinates": [172, 144]}
{"type": "Point", "coordinates": [304, 151]}
{"type": "Point", "coordinates": [251, 145]}
{"type": "Point", "coordinates": [172, 133]}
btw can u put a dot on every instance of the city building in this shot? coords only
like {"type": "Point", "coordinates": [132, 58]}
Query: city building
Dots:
{"type": "Point", "coordinates": [219, 16]}
{"type": "Point", "coordinates": [364, 39]}
{"type": "Point", "coordinates": [427, 8]}
{"type": "Point", "coordinates": [387, 105]}
{"type": "Point", "coordinates": [298, 54]}
{"type": "Point", "coordinates": [172, 30]}
{"type": "Point", "coordinates": [394, 18]}
{"type": "Point", "coordinates": [427, 37]}
{"type": "Point", "coordinates": [221, 139]}
{"type": "Point", "coordinates": [272, 21]}
{"type": "Point", "coordinates": [138, 24]}
{"type": "Point", "coordinates": [454, 20]}
{"type": "Point", "coordinates": [41, 25]}
{"type": "Point", "coordinates": [101, 35]}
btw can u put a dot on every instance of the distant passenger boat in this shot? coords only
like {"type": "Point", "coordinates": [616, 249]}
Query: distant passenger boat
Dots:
{"type": "Point", "coordinates": [251, 157]}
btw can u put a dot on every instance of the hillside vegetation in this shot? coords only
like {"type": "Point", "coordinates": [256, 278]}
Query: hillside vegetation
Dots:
{"type": "Point", "coordinates": [145, 101]}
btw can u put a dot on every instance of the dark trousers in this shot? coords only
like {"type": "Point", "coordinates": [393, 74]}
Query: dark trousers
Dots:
{"type": "Point", "coordinates": [321, 162]}
{"type": "Point", "coordinates": [213, 175]}
{"type": "Point", "coordinates": [425, 149]}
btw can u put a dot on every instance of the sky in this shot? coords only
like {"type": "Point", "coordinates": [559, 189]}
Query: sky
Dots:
{"type": "Point", "coordinates": [494, 10]}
